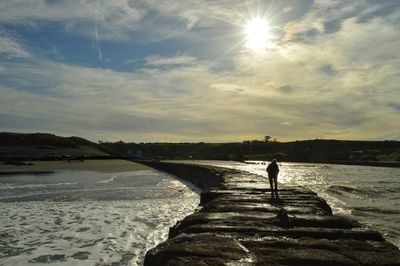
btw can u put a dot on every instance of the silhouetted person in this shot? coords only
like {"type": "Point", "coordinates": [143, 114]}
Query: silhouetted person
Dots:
{"type": "Point", "coordinates": [273, 171]}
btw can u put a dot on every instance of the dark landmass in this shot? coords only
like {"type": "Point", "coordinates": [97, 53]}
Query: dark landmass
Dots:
{"type": "Point", "coordinates": [375, 153]}
{"type": "Point", "coordinates": [16, 147]}
{"type": "Point", "coordinates": [237, 223]}
{"type": "Point", "coordinates": [40, 146]}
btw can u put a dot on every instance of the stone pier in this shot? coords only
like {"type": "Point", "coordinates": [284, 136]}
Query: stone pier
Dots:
{"type": "Point", "coordinates": [237, 223]}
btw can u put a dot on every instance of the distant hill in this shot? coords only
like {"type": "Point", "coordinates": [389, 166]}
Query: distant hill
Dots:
{"type": "Point", "coordinates": [31, 146]}
{"type": "Point", "coordinates": [36, 146]}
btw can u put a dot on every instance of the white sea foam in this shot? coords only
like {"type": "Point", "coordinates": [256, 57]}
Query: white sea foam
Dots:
{"type": "Point", "coordinates": [96, 227]}
{"type": "Point", "coordinates": [111, 179]}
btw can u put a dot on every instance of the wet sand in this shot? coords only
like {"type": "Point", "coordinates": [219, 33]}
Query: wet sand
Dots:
{"type": "Point", "coordinates": [104, 166]}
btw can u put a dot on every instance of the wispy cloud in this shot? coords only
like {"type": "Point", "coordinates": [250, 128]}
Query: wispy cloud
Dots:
{"type": "Point", "coordinates": [170, 61]}
{"type": "Point", "coordinates": [143, 21]}
{"type": "Point", "coordinates": [11, 47]}
{"type": "Point", "coordinates": [327, 17]}
{"type": "Point", "coordinates": [96, 33]}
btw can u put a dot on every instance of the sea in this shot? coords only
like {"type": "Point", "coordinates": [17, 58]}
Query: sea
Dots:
{"type": "Point", "coordinates": [75, 217]}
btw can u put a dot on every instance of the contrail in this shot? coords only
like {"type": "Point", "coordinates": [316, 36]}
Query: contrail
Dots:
{"type": "Point", "coordinates": [96, 34]}
{"type": "Point", "coordinates": [99, 53]}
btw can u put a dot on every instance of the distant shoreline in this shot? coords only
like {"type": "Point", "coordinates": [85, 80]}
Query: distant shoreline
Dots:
{"type": "Point", "coordinates": [368, 163]}
{"type": "Point", "coordinates": [25, 172]}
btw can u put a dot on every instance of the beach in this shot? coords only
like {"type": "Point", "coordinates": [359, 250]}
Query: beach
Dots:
{"type": "Point", "coordinates": [104, 166]}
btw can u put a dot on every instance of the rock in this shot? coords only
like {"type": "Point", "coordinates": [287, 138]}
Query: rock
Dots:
{"type": "Point", "coordinates": [82, 255]}
{"type": "Point", "coordinates": [239, 224]}
{"type": "Point", "coordinates": [180, 250]}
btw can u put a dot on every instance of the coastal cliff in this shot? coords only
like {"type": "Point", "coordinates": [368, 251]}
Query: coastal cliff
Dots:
{"type": "Point", "coordinates": [237, 223]}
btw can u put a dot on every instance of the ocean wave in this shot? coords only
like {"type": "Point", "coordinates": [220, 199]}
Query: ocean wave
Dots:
{"type": "Point", "coordinates": [379, 210]}
{"type": "Point", "coordinates": [356, 192]}
{"type": "Point", "coordinates": [343, 190]}
{"type": "Point", "coordinates": [391, 189]}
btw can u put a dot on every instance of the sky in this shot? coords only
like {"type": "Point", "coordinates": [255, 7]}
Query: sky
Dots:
{"type": "Point", "coordinates": [196, 70]}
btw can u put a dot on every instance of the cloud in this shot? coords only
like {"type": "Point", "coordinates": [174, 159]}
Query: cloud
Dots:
{"type": "Point", "coordinates": [170, 61]}
{"type": "Point", "coordinates": [326, 17]}
{"type": "Point", "coordinates": [77, 16]}
{"type": "Point", "coordinates": [164, 102]}
{"type": "Point", "coordinates": [379, 9]}
{"type": "Point", "coordinates": [227, 87]}
{"type": "Point", "coordinates": [332, 76]}
{"type": "Point", "coordinates": [11, 47]}
{"type": "Point", "coordinates": [349, 99]}
{"type": "Point", "coordinates": [395, 106]}
{"type": "Point", "coordinates": [143, 21]}
{"type": "Point", "coordinates": [140, 21]}
{"type": "Point", "coordinates": [332, 26]}
{"type": "Point", "coordinates": [327, 69]}
{"type": "Point", "coordinates": [286, 89]}
{"type": "Point", "coordinates": [157, 20]}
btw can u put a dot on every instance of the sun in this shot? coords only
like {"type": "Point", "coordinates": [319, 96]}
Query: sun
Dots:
{"type": "Point", "coordinates": [258, 34]}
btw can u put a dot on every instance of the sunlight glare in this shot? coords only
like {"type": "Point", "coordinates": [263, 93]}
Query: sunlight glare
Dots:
{"type": "Point", "coordinates": [258, 35]}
